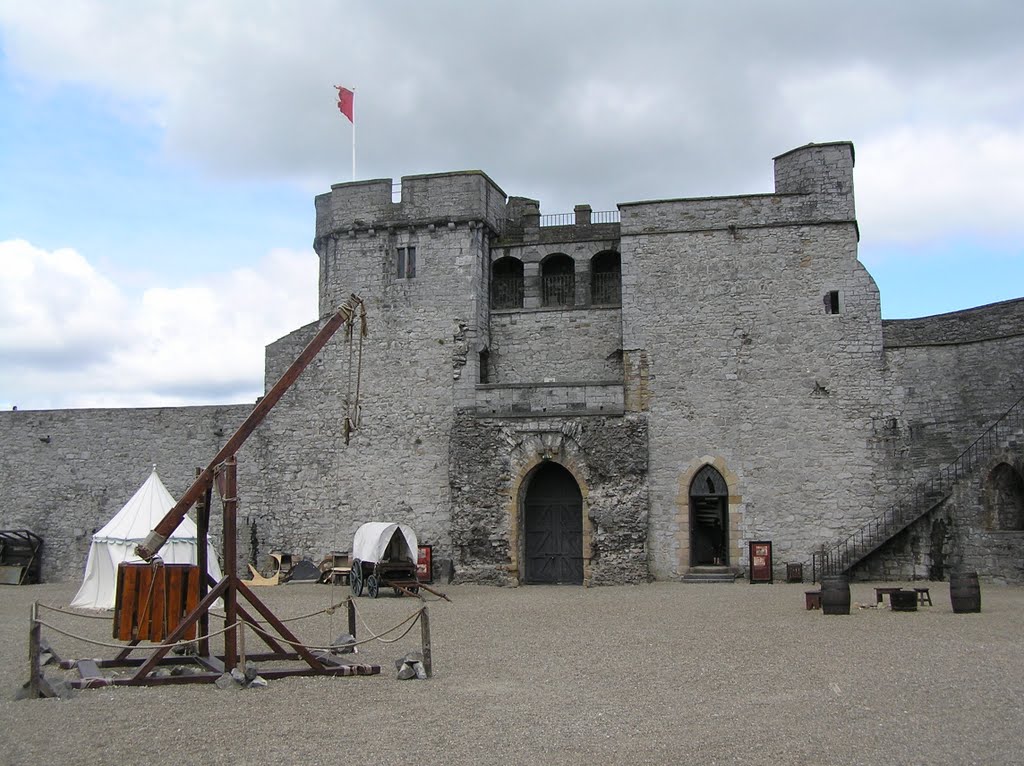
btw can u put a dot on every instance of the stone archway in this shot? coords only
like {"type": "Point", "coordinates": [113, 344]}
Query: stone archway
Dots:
{"type": "Point", "coordinates": [1004, 497]}
{"type": "Point", "coordinates": [552, 524]}
{"type": "Point", "coordinates": [709, 519]}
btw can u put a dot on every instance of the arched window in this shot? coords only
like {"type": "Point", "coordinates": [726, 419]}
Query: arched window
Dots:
{"type": "Point", "coordinates": [558, 280]}
{"type": "Point", "coordinates": [606, 279]}
{"type": "Point", "coordinates": [507, 283]}
{"type": "Point", "coordinates": [1005, 497]}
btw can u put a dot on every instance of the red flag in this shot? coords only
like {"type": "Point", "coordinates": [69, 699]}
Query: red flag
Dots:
{"type": "Point", "coordinates": [345, 99]}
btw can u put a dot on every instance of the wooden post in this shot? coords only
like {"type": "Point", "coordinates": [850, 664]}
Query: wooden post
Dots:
{"type": "Point", "coordinates": [202, 559]}
{"type": "Point", "coordinates": [35, 671]}
{"type": "Point", "coordinates": [230, 501]}
{"type": "Point", "coordinates": [428, 665]}
{"type": "Point", "coordinates": [351, 607]}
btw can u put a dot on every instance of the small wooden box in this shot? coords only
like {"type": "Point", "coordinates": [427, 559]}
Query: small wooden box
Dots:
{"type": "Point", "coordinates": [153, 599]}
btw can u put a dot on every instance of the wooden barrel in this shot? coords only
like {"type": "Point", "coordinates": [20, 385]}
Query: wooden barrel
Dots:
{"type": "Point", "coordinates": [964, 592]}
{"type": "Point", "coordinates": [903, 601]}
{"type": "Point", "coordinates": [835, 594]}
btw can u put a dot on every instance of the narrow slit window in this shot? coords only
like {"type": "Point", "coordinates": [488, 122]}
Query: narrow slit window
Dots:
{"type": "Point", "coordinates": [832, 302]}
{"type": "Point", "coordinates": [485, 372]}
{"type": "Point", "coordinates": [405, 263]}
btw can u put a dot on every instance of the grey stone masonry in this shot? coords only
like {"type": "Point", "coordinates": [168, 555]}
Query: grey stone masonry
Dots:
{"type": "Point", "coordinates": [706, 372]}
{"type": "Point", "coordinates": [65, 473]}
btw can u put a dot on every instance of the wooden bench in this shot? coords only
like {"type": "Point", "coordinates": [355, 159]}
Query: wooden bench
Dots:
{"type": "Point", "coordinates": [812, 599]}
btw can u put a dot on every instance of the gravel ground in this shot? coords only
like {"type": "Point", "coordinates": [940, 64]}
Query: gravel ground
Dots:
{"type": "Point", "coordinates": [659, 673]}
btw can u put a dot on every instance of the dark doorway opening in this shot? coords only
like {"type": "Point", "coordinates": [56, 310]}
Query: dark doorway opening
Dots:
{"type": "Point", "coordinates": [709, 519]}
{"type": "Point", "coordinates": [553, 527]}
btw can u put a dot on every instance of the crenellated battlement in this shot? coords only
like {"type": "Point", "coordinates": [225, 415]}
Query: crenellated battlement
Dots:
{"type": "Point", "coordinates": [425, 199]}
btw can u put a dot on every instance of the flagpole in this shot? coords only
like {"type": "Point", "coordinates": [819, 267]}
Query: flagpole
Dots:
{"type": "Point", "coordinates": [353, 134]}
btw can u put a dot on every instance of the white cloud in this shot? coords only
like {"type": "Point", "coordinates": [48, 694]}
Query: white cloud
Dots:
{"type": "Point", "coordinates": [925, 184]}
{"type": "Point", "coordinates": [70, 337]}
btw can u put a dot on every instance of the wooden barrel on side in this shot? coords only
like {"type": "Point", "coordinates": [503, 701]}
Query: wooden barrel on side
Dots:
{"type": "Point", "coordinates": [964, 592]}
{"type": "Point", "coordinates": [835, 594]}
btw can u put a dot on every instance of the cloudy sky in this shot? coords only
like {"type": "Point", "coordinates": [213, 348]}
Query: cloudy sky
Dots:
{"type": "Point", "coordinates": [158, 160]}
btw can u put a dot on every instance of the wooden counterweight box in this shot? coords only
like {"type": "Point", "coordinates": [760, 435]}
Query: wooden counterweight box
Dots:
{"type": "Point", "coordinates": [153, 599]}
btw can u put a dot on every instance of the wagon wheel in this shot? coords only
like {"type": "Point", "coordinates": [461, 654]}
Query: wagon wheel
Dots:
{"type": "Point", "coordinates": [355, 578]}
{"type": "Point", "coordinates": [397, 590]}
{"type": "Point", "coordinates": [373, 585]}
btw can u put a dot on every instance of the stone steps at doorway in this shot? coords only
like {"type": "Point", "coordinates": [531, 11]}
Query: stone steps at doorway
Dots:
{"type": "Point", "coordinates": [709, 574]}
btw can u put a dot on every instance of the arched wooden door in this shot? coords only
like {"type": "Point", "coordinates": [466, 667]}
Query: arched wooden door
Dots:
{"type": "Point", "coordinates": [709, 519]}
{"type": "Point", "coordinates": [553, 527]}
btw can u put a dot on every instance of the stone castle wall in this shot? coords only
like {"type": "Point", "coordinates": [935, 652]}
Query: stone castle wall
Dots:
{"type": "Point", "coordinates": [559, 345]}
{"type": "Point", "coordinates": [745, 369]}
{"type": "Point", "coordinates": [749, 337]}
{"type": "Point", "coordinates": [65, 473]}
{"type": "Point", "coordinates": [948, 378]}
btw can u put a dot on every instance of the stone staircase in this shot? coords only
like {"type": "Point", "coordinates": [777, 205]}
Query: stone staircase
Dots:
{"type": "Point", "coordinates": [843, 555]}
{"type": "Point", "coordinates": [709, 574]}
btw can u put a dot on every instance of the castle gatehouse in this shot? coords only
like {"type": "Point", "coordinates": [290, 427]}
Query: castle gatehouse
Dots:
{"type": "Point", "coordinates": [595, 397]}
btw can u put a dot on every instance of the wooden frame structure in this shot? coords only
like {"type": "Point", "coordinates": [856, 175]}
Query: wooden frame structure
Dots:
{"type": "Point", "coordinates": [282, 645]}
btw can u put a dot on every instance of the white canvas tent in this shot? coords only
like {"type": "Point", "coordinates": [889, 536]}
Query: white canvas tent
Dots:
{"type": "Point", "coordinates": [116, 542]}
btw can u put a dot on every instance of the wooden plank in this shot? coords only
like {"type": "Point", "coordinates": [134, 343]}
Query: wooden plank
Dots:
{"type": "Point", "coordinates": [177, 633]}
{"type": "Point", "coordinates": [35, 670]}
{"type": "Point", "coordinates": [88, 669]}
{"type": "Point", "coordinates": [11, 575]}
{"type": "Point", "coordinates": [211, 663]}
{"type": "Point", "coordinates": [428, 663]}
{"type": "Point", "coordinates": [124, 611]}
{"type": "Point", "coordinates": [195, 578]}
{"type": "Point", "coordinates": [158, 603]}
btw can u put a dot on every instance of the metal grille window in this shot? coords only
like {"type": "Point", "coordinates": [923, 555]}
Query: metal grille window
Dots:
{"type": "Point", "coordinates": [507, 284]}
{"type": "Point", "coordinates": [405, 263]}
{"type": "Point", "coordinates": [558, 289]}
{"type": "Point", "coordinates": [558, 281]}
{"type": "Point", "coordinates": [606, 279]}
{"type": "Point", "coordinates": [606, 289]}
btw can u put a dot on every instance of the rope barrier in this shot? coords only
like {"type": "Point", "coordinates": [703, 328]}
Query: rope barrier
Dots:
{"type": "Point", "coordinates": [412, 619]}
{"type": "Point", "coordinates": [76, 614]}
{"type": "Point", "coordinates": [416, 614]}
{"type": "Point", "coordinates": [325, 610]}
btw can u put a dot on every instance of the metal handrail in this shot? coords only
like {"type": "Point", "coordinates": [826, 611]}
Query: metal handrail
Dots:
{"type": "Point", "coordinates": [558, 219]}
{"type": "Point", "coordinates": [569, 219]}
{"type": "Point", "coordinates": [923, 497]}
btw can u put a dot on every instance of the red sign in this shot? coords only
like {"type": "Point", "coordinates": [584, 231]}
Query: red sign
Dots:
{"type": "Point", "coordinates": [424, 564]}
{"type": "Point", "coordinates": [761, 561]}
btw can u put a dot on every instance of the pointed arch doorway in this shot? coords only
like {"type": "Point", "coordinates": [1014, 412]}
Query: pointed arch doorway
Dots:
{"type": "Point", "coordinates": [552, 527]}
{"type": "Point", "coordinates": [709, 519]}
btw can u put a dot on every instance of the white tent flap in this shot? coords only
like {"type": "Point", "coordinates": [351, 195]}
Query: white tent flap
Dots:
{"type": "Point", "coordinates": [116, 540]}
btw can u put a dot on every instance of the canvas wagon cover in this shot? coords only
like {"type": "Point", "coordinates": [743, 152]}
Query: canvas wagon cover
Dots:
{"type": "Point", "coordinates": [371, 540]}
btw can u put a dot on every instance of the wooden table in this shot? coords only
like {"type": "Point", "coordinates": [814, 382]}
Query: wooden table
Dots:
{"type": "Point", "coordinates": [881, 593]}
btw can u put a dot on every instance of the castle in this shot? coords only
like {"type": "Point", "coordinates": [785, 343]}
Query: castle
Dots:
{"type": "Point", "coordinates": [597, 397]}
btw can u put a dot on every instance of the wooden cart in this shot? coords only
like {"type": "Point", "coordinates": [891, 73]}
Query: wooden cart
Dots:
{"type": "Point", "coordinates": [384, 556]}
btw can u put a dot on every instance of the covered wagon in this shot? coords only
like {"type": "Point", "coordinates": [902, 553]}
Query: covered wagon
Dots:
{"type": "Point", "coordinates": [384, 555]}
